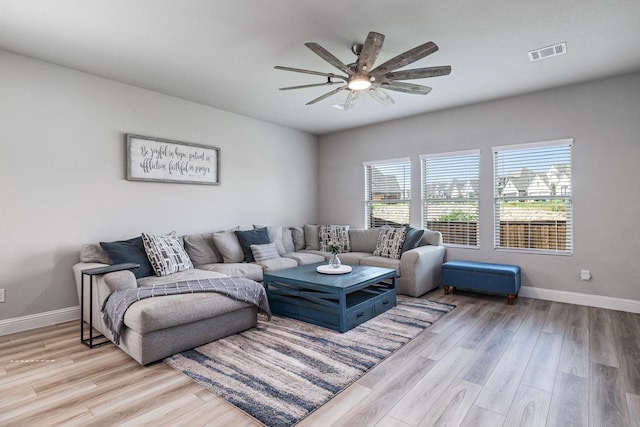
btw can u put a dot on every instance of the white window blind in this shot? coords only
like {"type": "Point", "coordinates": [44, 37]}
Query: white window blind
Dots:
{"type": "Point", "coordinates": [532, 194]}
{"type": "Point", "coordinates": [450, 194]}
{"type": "Point", "coordinates": [388, 192]}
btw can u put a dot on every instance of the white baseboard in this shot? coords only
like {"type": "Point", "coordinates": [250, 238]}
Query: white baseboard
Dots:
{"type": "Point", "coordinates": [33, 321]}
{"type": "Point", "coordinates": [611, 303]}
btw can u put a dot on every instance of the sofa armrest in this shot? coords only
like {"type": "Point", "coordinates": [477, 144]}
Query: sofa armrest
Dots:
{"type": "Point", "coordinates": [120, 280]}
{"type": "Point", "coordinates": [420, 269]}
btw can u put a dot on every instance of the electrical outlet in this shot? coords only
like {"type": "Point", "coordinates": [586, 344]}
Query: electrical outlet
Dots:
{"type": "Point", "coordinates": [585, 275]}
{"type": "Point", "coordinates": [1, 295]}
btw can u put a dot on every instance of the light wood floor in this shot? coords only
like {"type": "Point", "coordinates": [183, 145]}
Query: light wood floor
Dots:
{"type": "Point", "coordinates": [486, 363]}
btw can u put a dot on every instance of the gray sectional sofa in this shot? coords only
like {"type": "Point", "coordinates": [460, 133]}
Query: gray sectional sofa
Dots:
{"type": "Point", "coordinates": [159, 327]}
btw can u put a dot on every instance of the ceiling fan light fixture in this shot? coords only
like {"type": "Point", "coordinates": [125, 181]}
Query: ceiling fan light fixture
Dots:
{"type": "Point", "coordinates": [359, 83]}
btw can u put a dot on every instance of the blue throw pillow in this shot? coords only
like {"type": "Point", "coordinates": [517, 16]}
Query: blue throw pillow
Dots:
{"type": "Point", "coordinates": [131, 250]}
{"type": "Point", "coordinates": [259, 236]}
{"type": "Point", "coordinates": [412, 239]}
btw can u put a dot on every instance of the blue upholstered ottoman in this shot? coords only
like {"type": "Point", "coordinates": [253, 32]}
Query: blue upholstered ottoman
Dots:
{"type": "Point", "coordinates": [482, 276]}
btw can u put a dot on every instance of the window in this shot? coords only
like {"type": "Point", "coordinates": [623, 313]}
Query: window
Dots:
{"type": "Point", "coordinates": [450, 192]}
{"type": "Point", "coordinates": [387, 192]}
{"type": "Point", "coordinates": [532, 193]}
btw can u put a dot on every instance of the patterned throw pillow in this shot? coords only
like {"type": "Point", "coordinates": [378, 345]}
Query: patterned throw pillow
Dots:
{"type": "Point", "coordinates": [265, 252]}
{"type": "Point", "coordinates": [166, 254]}
{"type": "Point", "coordinates": [335, 233]}
{"type": "Point", "coordinates": [390, 242]}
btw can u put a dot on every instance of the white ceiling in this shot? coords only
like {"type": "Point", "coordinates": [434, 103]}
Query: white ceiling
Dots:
{"type": "Point", "coordinates": [221, 53]}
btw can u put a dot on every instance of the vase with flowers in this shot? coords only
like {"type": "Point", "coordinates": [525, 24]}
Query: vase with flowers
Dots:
{"type": "Point", "coordinates": [335, 249]}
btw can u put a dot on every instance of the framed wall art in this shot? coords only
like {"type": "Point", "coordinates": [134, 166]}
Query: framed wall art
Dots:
{"type": "Point", "coordinates": [164, 160]}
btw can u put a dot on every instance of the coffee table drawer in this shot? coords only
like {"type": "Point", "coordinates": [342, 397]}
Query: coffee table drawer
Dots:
{"type": "Point", "coordinates": [360, 314]}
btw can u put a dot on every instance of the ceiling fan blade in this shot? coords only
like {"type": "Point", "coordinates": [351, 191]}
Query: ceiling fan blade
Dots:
{"type": "Point", "coordinates": [311, 85]}
{"type": "Point", "coordinates": [351, 99]}
{"type": "Point", "coordinates": [405, 58]}
{"type": "Point", "coordinates": [300, 70]}
{"type": "Point", "coordinates": [327, 56]}
{"type": "Point", "coordinates": [418, 73]}
{"type": "Point", "coordinates": [370, 50]}
{"type": "Point", "coordinates": [326, 95]}
{"type": "Point", "coordinates": [406, 88]}
{"type": "Point", "coordinates": [380, 96]}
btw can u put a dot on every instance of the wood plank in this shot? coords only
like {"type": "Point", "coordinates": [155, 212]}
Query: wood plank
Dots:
{"type": "Point", "coordinates": [419, 400]}
{"type": "Point", "coordinates": [629, 354]}
{"type": "Point", "coordinates": [502, 385]}
{"type": "Point", "coordinates": [374, 406]}
{"type": "Point", "coordinates": [452, 406]}
{"type": "Point", "coordinates": [578, 316]}
{"type": "Point", "coordinates": [480, 417]}
{"type": "Point", "coordinates": [483, 327]}
{"type": "Point", "coordinates": [602, 344]}
{"type": "Point", "coordinates": [391, 422]}
{"type": "Point", "coordinates": [483, 363]}
{"type": "Point", "coordinates": [531, 326]}
{"type": "Point", "coordinates": [607, 401]}
{"type": "Point", "coordinates": [207, 413]}
{"type": "Point", "coordinates": [633, 403]}
{"type": "Point", "coordinates": [570, 401]}
{"type": "Point", "coordinates": [575, 348]}
{"type": "Point", "coordinates": [333, 411]}
{"type": "Point", "coordinates": [542, 366]}
{"type": "Point", "coordinates": [556, 320]}
{"type": "Point", "coordinates": [530, 407]}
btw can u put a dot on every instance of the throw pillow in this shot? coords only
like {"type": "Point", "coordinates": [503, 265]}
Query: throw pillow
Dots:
{"type": "Point", "coordinates": [412, 239]}
{"type": "Point", "coordinates": [125, 251]}
{"type": "Point", "coordinates": [338, 234]}
{"type": "Point", "coordinates": [166, 254]}
{"type": "Point", "coordinates": [252, 237]}
{"type": "Point", "coordinates": [275, 236]}
{"type": "Point", "coordinates": [228, 245]}
{"type": "Point", "coordinates": [297, 234]}
{"type": "Point", "coordinates": [264, 252]}
{"type": "Point", "coordinates": [93, 252]}
{"type": "Point", "coordinates": [312, 237]}
{"type": "Point", "coordinates": [201, 249]}
{"type": "Point", "coordinates": [287, 240]}
{"type": "Point", "coordinates": [390, 242]}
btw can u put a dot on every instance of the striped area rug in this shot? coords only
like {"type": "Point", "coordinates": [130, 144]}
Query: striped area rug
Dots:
{"type": "Point", "coordinates": [284, 369]}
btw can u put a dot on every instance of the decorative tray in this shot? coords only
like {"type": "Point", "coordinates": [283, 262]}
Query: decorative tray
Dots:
{"type": "Point", "coordinates": [327, 269]}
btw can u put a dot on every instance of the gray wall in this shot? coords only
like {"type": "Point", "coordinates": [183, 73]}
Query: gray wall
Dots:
{"type": "Point", "coordinates": [604, 119]}
{"type": "Point", "coordinates": [62, 175]}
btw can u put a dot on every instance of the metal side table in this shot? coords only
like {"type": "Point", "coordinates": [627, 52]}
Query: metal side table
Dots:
{"type": "Point", "coordinates": [94, 272]}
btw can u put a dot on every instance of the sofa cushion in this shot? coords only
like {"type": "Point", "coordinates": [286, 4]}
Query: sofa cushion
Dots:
{"type": "Point", "coordinates": [297, 235]}
{"type": "Point", "coordinates": [312, 237]}
{"type": "Point", "coordinates": [390, 242]}
{"type": "Point", "coordinates": [132, 250]}
{"type": "Point", "coordinates": [264, 252]}
{"type": "Point", "coordinates": [166, 254]}
{"type": "Point", "coordinates": [304, 258]}
{"type": "Point", "coordinates": [353, 258]}
{"type": "Point", "coordinates": [384, 262]}
{"type": "Point", "coordinates": [276, 264]}
{"type": "Point", "coordinates": [412, 239]}
{"type": "Point", "coordinates": [338, 234]}
{"type": "Point", "coordinates": [228, 245]}
{"type": "Point", "coordinates": [163, 312]}
{"type": "Point", "coordinates": [364, 240]}
{"type": "Point", "coordinates": [236, 269]}
{"type": "Point", "coordinates": [201, 248]}
{"type": "Point", "coordinates": [252, 237]}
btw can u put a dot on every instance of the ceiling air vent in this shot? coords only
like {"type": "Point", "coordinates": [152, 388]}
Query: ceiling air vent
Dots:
{"type": "Point", "coordinates": [548, 52]}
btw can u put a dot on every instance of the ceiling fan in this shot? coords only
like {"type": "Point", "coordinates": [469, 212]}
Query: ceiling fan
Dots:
{"type": "Point", "coordinates": [361, 76]}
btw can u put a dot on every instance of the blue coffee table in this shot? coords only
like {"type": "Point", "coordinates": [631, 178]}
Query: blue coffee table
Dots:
{"type": "Point", "coordinates": [335, 301]}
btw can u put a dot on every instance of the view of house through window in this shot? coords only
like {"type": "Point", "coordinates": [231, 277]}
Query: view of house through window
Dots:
{"type": "Point", "coordinates": [532, 193]}
{"type": "Point", "coordinates": [388, 192]}
{"type": "Point", "coordinates": [450, 192]}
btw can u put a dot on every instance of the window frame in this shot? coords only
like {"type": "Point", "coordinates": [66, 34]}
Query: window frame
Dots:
{"type": "Point", "coordinates": [567, 198]}
{"type": "Point", "coordinates": [424, 200]}
{"type": "Point", "coordinates": [406, 161]}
